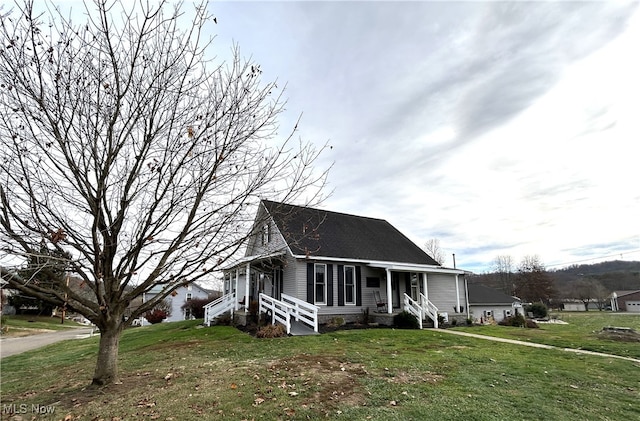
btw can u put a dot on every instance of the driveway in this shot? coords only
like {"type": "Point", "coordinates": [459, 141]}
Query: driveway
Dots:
{"type": "Point", "coordinates": [13, 346]}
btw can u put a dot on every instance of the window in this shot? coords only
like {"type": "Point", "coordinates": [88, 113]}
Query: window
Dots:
{"type": "Point", "coordinates": [349, 285]}
{"type": "Point", "coordinates": [320, 283]}
{"type": "Point", "coordinates": [373, 282]}
{"type": "Point", "coordinates": [189, 296]}
{"type": "Point", "coordinates": [266, 234]}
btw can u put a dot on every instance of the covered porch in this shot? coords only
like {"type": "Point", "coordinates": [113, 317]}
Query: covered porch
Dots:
{"type": "Point", "coordinates": [253, 275]}
{"type": "Point", "coordinates": [419, 293]}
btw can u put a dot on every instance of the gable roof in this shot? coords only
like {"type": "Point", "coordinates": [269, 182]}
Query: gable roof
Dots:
{"type": "Point", "coordinates": [480, 294]}
{"type": "Point", "coordinates": [320, 233]}
{"type": "Point", "coordinates": [623, 293]}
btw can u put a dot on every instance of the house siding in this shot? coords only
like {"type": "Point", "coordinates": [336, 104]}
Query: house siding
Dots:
{"type": "Point", "coordinates": [441, 290]}
{"type": "Point", "coordinates": [498, 312]}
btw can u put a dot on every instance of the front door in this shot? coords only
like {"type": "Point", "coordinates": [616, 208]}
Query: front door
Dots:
{"type": "Point", "coordinates": [395, 289]}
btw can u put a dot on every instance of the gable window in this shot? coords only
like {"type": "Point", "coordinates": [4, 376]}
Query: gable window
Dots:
{"type": "Point", "coordinates": [189, 296]}
{"type": "Point", "coordinates": [320, 283]}
{"type": "Point", "coordinates": [266, 234]}
{"type": "Point", "coordinates": [350, 285]}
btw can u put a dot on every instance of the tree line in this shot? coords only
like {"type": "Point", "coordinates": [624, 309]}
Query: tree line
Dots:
{"type": "Point", "coordinates": [530, 281]}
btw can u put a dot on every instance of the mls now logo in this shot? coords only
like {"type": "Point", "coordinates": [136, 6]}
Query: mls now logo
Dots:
{"type": "Point", "coordinates": [23, 408]}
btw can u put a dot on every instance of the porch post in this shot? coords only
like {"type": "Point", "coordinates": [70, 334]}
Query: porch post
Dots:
{"type": "Point", "coordinates": [237, 305]}
{"type": "Point", "coordinates": [424, 285]}
{"type": "Point", "coordinates": [247, 285]}
{"type": "Point", "coordinates": [389, 297]}
{"type": "Point", "coordinates": [457, 294]}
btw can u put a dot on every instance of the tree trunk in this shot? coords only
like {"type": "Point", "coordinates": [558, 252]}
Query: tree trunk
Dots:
{"type": "Point", "coordinates": [107, 365]}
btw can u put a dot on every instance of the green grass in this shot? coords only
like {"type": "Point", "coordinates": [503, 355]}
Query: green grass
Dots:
{"type": "Point", "coordinates": [180, 372]}
{"type": "Point", "coordinates": [24, 323]}
{"type": "Point", "coordinates": [582, 332]}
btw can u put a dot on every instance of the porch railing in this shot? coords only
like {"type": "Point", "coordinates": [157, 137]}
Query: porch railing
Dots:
{"type": "Point", "coordinates": [429, 310]}
{"type": "Point", "coordinates": [302, 311]}
{"type": "Point", "coordinates": [217, 307]}
{"type": "Point", "coordinates": [414, 308]}
{"type": "Point", "coordinates": [280, 311]}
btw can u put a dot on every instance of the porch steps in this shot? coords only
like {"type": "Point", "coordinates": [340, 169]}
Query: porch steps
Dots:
{"type": "Point", "coordinates": [301, 329]}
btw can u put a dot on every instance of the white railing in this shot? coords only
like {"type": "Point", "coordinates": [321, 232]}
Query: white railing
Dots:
{"type": "Point", "coordinates": [429, 310]}
{"type": "Point", "coordinates": [280, 311]}
{"type": "Point", "coordinates": [221, 305]}
{"type": "Point", "coordinates": [414, 308]}
{"type": "Point", "coordinates": [302, 311]}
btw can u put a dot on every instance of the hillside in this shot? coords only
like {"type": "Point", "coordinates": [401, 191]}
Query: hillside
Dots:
{"type": "Point", "coordinates": [615, 275]}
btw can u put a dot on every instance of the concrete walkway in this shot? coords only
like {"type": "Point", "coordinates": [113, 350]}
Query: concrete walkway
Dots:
{"type": "Point", "coordinates": [13, 346]}
{"type": "Point", "coordinates": [534, 345]}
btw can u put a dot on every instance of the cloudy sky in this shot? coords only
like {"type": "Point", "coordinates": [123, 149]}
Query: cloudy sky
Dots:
{"type": "Point", "coordinates": [498, 128]}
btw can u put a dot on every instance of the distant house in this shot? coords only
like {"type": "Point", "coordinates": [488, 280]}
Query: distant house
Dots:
{"type": "Point", "coordinates": [323, 265]}
{"type": "Point", "coordinates": [487, 303]}
{"type": "Point", "coordinates": [178, 298]}
{"type": "Point", "coordinates": [626, 301]}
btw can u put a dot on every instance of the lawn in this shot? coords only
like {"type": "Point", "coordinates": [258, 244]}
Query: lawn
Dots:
{"type": "Point", "coordinates": [582, 331]}
{"type": "Point", "coordinates": [177, 371]}
{"type": "Point", "coordinates": [20, 325]}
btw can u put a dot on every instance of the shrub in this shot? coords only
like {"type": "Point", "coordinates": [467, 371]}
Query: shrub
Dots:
{"type": "Point", "coordinates": [335, 322]}
{"type": "Point", "coordinates": [405, 320]}
{"type": "Point", "coordinates": [516, 321]}
{"type": "Point", "coordinates": [365, 316]}
{"type": "Point", "coordinates": [531, 324]}
{"type": "Point", "coordinates": [196, 307]}
{"type": "Point", "coordinates": [539, 310]}
{"type": "Point", "coordinates": [223, 319]}
{"type": "Point", "coordinates": [271, 331]}
{"type": "Point", "coordinates": [155, 316]}
{"type": "Point", "coordinates": [469, 321]}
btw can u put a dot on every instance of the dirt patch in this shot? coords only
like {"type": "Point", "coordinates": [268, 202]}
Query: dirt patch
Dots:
{"type": "Point", "coordinates": [324, 380]}
{"type": "Point", "coordinates": [619, 334]}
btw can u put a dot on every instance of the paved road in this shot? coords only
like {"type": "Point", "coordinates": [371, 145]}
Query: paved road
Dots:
{"type": "Point", "coordinates": [13, 346]}
{"type": "Point", "coordinates": [535, 345]}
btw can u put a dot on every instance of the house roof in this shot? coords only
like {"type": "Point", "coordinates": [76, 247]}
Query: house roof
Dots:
{"type": "Point", "coordinates": [480, 294]}
{"type": "Point", "coordinates": [320, 233]}
{"type": "Point", "coordinates": [623, 293]}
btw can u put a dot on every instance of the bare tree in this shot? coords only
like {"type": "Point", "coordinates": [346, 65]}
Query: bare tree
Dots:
{"type": "Point", "coordinates": [126, 146]}
{"type": "Point", "coordinates": [588, 290]}
{"type": "Point", "coordinates": [533, 282]}
{"type": "Point", "coordinates": [432, 247]}
{"type": "Point", "coordinates": [503, 270]}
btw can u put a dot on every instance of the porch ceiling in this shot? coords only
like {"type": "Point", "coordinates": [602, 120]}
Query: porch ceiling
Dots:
{"type": "Point", "coordinates": [404, 267]}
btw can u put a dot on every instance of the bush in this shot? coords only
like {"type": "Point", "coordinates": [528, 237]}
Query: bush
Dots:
{"type": "Point", "coordinates": [539, 310]}
{"type": "Point", "coordinates": [196, 307]}
{"type": "Point", "coordinates": [155, 316]}
{"type": "Point", "coordinates": [335, 322]}
{"type": "Point", "coordinates": [365, 316]}
{"type": "Point", "coordinates": [224, 319]}
{"type": "Point", "coordinates": [515, 321]}
{"type": "Point", "coordinates": [469, 321]}
{"type": "Point", "coordinates": [531, 324]}
{"type": "Point", "coordinates": [271, 331]}
{"type": "Point", "coordinates": [405, 320]}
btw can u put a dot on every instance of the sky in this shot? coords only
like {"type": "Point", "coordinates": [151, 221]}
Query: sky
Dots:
{"type": "Point", "coordinates": [498, 128]}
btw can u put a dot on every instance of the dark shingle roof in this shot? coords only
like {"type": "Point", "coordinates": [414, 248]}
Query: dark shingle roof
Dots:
{"type": "Point", "coordinates": [321, 233]}
{"type": "Point", "coordinates": [480, 294]}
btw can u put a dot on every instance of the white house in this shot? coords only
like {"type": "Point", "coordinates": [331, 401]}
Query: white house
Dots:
{"type": "Point", "coordinates": [178, 298]}
{"type": "Point", "coordinates": [312, 265]}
